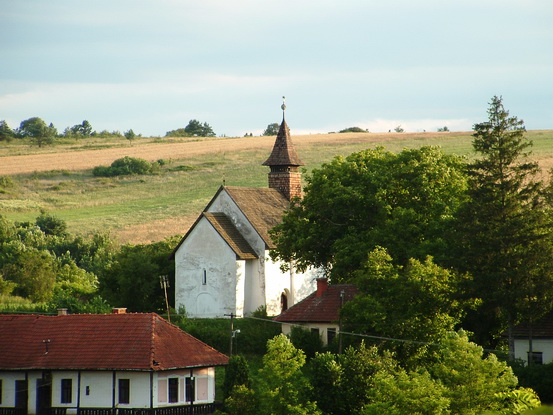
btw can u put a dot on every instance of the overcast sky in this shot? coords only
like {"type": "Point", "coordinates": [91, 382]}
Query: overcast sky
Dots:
{"type": "Point", "coordinates": [153, 65]}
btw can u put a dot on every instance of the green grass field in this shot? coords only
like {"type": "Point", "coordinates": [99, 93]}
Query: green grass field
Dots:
{"type": "Point", "coordinates": [151, 207]}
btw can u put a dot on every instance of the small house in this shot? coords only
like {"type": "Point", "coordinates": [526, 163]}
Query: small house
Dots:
{"type": "Point", "coordinates": [99, 364]}
{"type": "Point", "coordinates": [534, 343]}
{"type": "Point", "coordinates": [320, 311]}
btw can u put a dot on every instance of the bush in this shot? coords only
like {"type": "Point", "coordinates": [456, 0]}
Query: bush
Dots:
{"type": "Point", "coordinates": [354, 130]}
{"type": "Point", "coordinates": [537, 377]}
{"type": "Point", "coordinates": [306, 340]}
{"type": "Point", "coordinates": [126, 166]}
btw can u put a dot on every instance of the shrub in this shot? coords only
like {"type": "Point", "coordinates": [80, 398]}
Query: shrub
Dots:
{"type": "Point", "coordinates": [126, 166]}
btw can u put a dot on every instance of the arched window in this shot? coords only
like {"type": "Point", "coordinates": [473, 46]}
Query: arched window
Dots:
{"type": "Point", "coordinates": [283, 302]}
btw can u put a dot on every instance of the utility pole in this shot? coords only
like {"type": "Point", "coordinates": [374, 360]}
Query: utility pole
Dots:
{"type": "Point", "coordinates": [164, 282]}
{"type": "Point", "coordinates": [342, 295]}
{"type": "Point", "coordinates": [231, 315]}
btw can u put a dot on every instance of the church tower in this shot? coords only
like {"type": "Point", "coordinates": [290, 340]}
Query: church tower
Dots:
{"type": "Point", "coordinates": [284, 163]}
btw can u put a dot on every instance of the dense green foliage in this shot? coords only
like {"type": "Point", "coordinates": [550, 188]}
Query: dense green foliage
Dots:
{"type": "Point", "coordinates": [353, 130]}
{"type": "Point", "coordinates": [417, 302]}
{"type": "Point", "coordinates": [6, 133]}
{"type": "Point", "coordinates": [272, 129]}
{"type": "Point", "coordinates": [456, 377]}
{"type": "Point", "coordinates": [40, 133]}
{"type": "Point", "coordinates": [43, 268]}
{"type": "Point", "coordinates": [237, 373]}
{"type": "Point", "coordinates": [42, 263]}
{"type": "Point", "coordinates": [283, 388]}
{"type": "Point", "coordinates": [133, 278]}
{"type": "Point", "coordinates": [126, 166]}
{"type": "Point", "coordinates": [354, 204]}
{"type": "Point", "coordinates": [503, 235]}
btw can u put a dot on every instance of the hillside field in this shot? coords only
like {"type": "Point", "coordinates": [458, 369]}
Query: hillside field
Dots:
{"type": "Point", "coordinates": [139, 209]}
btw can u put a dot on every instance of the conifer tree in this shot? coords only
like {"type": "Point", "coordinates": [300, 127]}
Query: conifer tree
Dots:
{"type": "Point", "coordinates": [504, 232]}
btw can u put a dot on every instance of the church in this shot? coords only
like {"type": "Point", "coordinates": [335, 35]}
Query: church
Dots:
{"type": "Point", "coordinates": [222, 264]}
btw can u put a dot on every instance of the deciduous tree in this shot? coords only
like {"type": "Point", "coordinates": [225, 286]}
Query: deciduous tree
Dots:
{"type": "Point", "coordinates": [403, 202]}
{"type": "Point", "coordinates": [272, 129]}
{"type": "Point", "coordinates": [417, 303]}
{"type": "Point", "coordinates": [196, 128]}
{"type": "Point", "coordinates": [284, 390]}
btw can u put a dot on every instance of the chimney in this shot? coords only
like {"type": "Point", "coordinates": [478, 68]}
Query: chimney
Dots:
{"type": "Point", "coordinates": [119, 310]}
{"type": "Point", "coordinates": [322, 285]}
{"type": "Point", "coordinates": [62, 311]}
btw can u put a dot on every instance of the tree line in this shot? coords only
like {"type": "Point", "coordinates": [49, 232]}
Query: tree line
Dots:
{"type": "Point", "coordinates": [455, 377]}
{"type": "Point", "coordinates": [43, 268]}
{"type": "Point", "coordinates": [41, 133]}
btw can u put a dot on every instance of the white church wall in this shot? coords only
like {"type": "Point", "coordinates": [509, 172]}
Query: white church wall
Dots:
{"type": "Point", "coordinates": [205, 284]}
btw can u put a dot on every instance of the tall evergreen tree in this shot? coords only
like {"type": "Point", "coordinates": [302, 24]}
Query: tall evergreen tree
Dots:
{"type": "Point", "coordinates": [504, 231]}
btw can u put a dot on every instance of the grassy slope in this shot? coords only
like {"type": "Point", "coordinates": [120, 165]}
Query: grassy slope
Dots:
{"type": "Point", "coordinates": [147, 208]}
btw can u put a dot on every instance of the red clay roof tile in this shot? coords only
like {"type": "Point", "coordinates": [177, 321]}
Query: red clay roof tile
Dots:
{"type": "Point", "coordinates": [323, 309]}
{"type": "Point", "coordinates": [141, 341]}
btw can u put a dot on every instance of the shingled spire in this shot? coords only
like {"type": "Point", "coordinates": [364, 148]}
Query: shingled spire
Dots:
{"type": "Point", "coordinates": [284, 163]}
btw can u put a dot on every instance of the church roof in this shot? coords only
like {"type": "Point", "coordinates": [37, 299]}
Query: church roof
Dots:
{"type": "Point", "coordinates": [224, 226]}
{"type": "Point", "coordinates": [263, 207]}
{"type": "Point", "coordinates": [284, 153]}
{"type": "Point", "coordinates": [134, 341]}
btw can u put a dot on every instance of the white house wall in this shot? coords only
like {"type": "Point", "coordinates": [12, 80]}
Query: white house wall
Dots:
{"type": "Point", "coordinates": [544, 346]}
{"type": "Point", "coordinates": [98, 389]}
{"type": "Point", "coordinates": [204, 249]}
{"type": "Point", "coordinates": [204, 380]}
{"type": "Point", "coordinates": [277, 282]}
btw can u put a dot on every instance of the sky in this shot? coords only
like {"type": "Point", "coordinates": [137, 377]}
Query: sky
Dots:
{"type": "Point", "coordinates": [154, 65]}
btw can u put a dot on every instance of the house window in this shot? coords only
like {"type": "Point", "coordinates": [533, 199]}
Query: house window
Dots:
{"type": "Point", "coordinates": [21, 394]}
{"type": "Point", "coordinates": [314, 331]}
{"type": "Point", "coordinates": [66, 390]}
{"type": "Point", "coordinates": [0, 391]}
{"type": "Point", "coordinates": [190, 389]}
{"type": "Point", "coordinates": [536, 358]}
{"type": "Point", "coordinates": [173, 390]}
{"type": "Point", "coordinates": [204, 278]}
{"type": "Point", "coordinates": [330, 335]}
{"type": "Point", "coordinates": [124, 391]}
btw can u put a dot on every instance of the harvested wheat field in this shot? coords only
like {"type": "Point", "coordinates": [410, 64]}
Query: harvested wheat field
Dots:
{"type": "Point", "coordinates": [88, 159]}
{"type": "Point", "coordinates": [141, 209]}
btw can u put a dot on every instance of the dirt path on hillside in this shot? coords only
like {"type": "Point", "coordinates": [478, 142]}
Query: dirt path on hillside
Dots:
{"type": "Point", "coordinates": [87, 159]}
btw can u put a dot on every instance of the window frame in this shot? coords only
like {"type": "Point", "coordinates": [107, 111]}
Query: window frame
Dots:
{"type": "Point", "coordinates": [66, 389]}
{"type": "Point", "coordinates": [535, 358]}
{"type": "Point", "coordinates": [190, 388]}
{"type": "Point", "coordinates": [124, 391]}
{"type": "Point", "coordinates": [173, 390]}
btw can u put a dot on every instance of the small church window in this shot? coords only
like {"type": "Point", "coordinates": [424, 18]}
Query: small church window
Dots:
{"type": "Point", "coordinates": [204, 278]}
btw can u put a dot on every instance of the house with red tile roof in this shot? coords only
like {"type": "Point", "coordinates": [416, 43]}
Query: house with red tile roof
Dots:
{"type": "Point", "coordinates": [89, 363]}
{"type": "Point", "coordinates": [222, 264]}
{"type": "Point", "coordinates": [320, 311]}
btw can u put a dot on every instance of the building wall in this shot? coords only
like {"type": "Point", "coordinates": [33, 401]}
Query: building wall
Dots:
{"type": "Point", "coordinates": [322, 327]}
{"type": "Point", "coordinates": [8, 388]}
{"type": "Point", "coordinates": [99, 389]}
{"type": "Point", "coordinates": [204, 252]}
{"type": "Point", "coordinates": [538, 345]}
{"type": "Point", "coordinates": [204, 380]}
{"type": "Point", "coordinates": [233, 286]}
